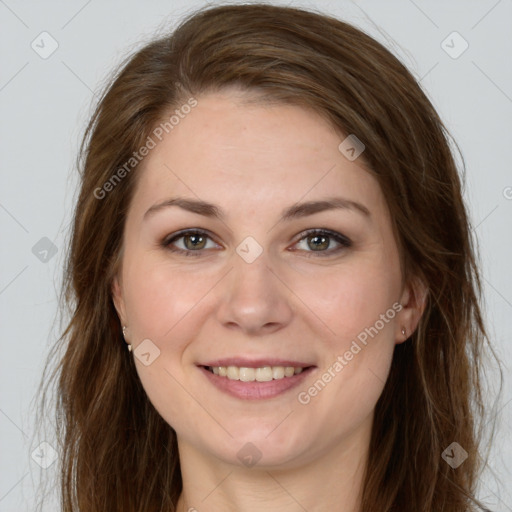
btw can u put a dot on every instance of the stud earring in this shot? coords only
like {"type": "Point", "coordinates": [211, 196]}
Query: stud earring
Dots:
{"type": "Point", "coordinates": [403, 331]}
{"type": "Point", "coordinates": [124, 336]}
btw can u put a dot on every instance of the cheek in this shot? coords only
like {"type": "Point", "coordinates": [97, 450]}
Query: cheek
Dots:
{"type": "Point", "coordinates": [342, 301]}
{"type": "Point", "coordinates": [357, 308]}
{"type": "Point", "coordinates": [160, 298]}
{"type": "Point", "coordinates": [350, 302]}
{"type": "Point", "coordinates": [163, 304]}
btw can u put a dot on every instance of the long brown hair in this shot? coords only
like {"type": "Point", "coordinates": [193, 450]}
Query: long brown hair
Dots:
{"type": "Point", "coordinates": [116, 452]}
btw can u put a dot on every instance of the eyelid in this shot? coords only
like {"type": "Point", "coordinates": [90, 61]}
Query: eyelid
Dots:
{"type": "Point", "coordinates": [333, 234]}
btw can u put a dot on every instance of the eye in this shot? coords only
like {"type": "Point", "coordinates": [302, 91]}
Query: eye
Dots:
{"type": "Point", "coordinates": [320, 239]}
{"type": "Point", "coordinates": [195, 240]}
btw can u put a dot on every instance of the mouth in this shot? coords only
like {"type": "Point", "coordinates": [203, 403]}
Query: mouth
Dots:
{"type": "Point", "coordinates": [258, 374]}
{"type": "Point", "coordinates": [255, 379]}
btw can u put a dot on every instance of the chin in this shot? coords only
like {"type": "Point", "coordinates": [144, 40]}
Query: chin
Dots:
{"type": "Point", "coordinates": [260, 447]}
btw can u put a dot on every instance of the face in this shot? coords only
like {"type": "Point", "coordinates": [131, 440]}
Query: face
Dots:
{"type": "Point", "coordinates": [317, 290]}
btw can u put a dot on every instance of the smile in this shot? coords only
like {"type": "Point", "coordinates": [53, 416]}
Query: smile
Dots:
{"type": "Point", "coordinates": [261, 374]}
{"type": "Point", "coordinates": [255, 382]}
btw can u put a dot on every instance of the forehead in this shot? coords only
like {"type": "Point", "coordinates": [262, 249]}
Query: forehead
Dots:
{"type": "Point", "coordinates": [254, 155]}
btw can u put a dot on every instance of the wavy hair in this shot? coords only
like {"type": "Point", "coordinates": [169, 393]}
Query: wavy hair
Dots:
{"type": "Point", "coordinates": [116, 453]}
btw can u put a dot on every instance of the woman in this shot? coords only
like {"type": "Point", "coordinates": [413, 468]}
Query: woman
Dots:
{"type": "Point", "coordinates": [271, 221]}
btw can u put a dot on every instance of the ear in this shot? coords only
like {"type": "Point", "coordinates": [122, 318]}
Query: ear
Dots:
{"type": "Point", "coordinates": [117, 297]}
{"type": "Point", "coordinates": [413, 301]}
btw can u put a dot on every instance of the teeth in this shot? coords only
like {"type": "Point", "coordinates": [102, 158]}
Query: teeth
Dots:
{"type": "Point", "coordinates": [289, 371]}
{"type": "Point", "coordinates": [262, 374]}
{"type": "Point", "coordinates": [278, 372]}
{"type": "Point", "coordinates": [247, 374]}
{"type": "Point", "coordinates": [233, 373]}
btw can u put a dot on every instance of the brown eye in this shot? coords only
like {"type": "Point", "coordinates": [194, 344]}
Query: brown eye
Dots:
{"type": "Point", "coordinates": [319, 240]}
{"type": "Point", "coordinates": [194, 241]}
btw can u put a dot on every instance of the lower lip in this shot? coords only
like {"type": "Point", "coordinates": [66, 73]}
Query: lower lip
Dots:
{"type": "Point", "coordinates": [256, 390]}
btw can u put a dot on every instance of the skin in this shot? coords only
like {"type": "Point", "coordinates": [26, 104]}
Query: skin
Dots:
{"type": "Point", "coordinates": [253, 161]}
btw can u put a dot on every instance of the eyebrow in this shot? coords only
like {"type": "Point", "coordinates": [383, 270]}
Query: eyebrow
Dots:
{"type": "Point", "coordinates": [295, 211]}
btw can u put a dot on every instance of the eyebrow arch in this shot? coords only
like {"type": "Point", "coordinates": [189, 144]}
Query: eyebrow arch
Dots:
{"type": "Point", "coordinates": [295, 211]}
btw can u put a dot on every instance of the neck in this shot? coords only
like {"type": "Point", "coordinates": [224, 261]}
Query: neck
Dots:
{"type": "Point", "coordinates": [331, 481]}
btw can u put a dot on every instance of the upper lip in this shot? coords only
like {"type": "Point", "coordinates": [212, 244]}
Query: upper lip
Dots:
{"type": "Point", "coordinates": [255, 363]}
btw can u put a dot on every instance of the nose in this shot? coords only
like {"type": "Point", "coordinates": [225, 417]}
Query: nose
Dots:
{"type": "Point", "coordinates": [254, 299]}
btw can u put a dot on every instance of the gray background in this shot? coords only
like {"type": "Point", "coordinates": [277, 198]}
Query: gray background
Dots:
{"type": "Point", "coordinates": [45, 103]}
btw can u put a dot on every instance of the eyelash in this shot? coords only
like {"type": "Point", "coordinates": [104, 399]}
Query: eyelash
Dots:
{"type": "Point", "coordinates": [341, 239]}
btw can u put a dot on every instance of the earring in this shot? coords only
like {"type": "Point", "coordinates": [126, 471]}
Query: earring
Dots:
{"type": "Point", "coordinates": [403, 331]}
{"type": "Point", "coordinates": [124, 336]}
